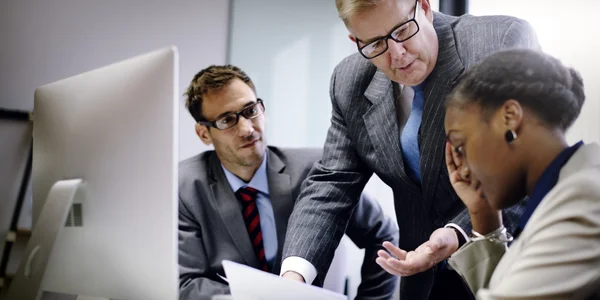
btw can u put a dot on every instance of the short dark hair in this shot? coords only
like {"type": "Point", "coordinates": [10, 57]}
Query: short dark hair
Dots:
{"type": "Point", "coordinates": [536, 80]}
{"type": "Point", "coordinates": [211, 79]}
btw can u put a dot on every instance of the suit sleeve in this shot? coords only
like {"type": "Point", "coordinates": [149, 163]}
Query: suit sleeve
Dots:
{"type": "Point", "coordinates": [193, 283]}
{"type": "Point", "coordinates": [476, 262]}
{"type": "Point", "coordinates": [368, 228]}
{"type": "Point", "coordinates": [559, 257]}
{"type": "Point", "coordinates": [327, 198]}
{"type": "Point", "coordinates": [562, 252]}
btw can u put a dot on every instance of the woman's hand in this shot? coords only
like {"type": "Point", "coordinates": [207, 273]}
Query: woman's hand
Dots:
{"type": "Point", "coordinates": [467, 187]}
{"type": "Point", "coordinates": [483, 217]}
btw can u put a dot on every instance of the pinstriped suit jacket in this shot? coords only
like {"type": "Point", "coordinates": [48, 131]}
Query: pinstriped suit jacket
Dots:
{"type": "Point", "coordinates": [363, 139]}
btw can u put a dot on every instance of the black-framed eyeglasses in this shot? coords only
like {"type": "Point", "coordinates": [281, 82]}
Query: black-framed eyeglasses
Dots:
{"type": "Point", "coordinates": [229, 120]}
{"type": "Point", "coordinates": [399, 34]}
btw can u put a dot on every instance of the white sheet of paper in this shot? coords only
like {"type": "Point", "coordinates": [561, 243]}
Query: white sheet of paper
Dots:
{"type": "Point", "coordinates": [247, 283]}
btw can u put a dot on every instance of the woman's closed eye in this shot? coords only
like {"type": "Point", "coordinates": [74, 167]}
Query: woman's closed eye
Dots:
{"type": "Point", "coordinates": [459, 150]}
{"type": "Point", "coordinates": [458, 155]}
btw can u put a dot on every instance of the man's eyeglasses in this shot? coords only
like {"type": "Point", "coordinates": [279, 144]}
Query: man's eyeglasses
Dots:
{"type": "Point", "coordinates": [229, 120]}
{"type": "Point", "coordinates": [399, 34]}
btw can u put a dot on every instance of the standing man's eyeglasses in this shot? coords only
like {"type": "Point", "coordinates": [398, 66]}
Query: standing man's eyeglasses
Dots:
{"type": "Point", "coordinates": [399, 34]}
{"type": "Point", "coordinates": [231, 119]}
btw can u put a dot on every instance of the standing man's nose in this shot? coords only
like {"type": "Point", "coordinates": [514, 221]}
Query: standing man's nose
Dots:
{"type": "Point", "coordinates": [396, 50]}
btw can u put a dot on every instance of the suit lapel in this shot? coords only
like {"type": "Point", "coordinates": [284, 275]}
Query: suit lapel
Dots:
{"type": "Point", "coordinates": [382, 126]}
{"type": "Point", "coordinates": [280, 193]}
{"type": "Point", "coordinates": [230, 210]}
{"type": "Point", "coordinates": [439, 83]}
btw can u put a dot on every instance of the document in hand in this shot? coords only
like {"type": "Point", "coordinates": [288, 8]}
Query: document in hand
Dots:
{"type": "Point", "coordinates": [247, 283]}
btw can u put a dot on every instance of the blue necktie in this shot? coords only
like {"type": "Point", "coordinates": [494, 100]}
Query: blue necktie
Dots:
{"type": "Point", "coordinates": [410, 144]}
{"type": "Point", "coordinates": [409, 137]}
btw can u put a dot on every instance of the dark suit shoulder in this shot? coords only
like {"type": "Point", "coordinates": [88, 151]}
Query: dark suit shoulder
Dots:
{"type": "Point", "coordinates": [479, 36]}
{"type": "Point", "coordinates": [290, 155]}
{"type": "Point", "coordinates": [350, 79]}
{"type": "Point", "coordinates": [298, 158]}
{"type": "Point", "coordinates": [466, 22]}
{"type": "Point", "coordinates": [355, 62]}
{"type": "Point", "coordinates": [194, 168]}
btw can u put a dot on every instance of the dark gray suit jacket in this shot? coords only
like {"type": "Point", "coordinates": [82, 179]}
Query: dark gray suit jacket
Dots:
{"type": "Point", "coordinates": [364, 139]}
{"type": "Point", "coordinates": [211, 226]}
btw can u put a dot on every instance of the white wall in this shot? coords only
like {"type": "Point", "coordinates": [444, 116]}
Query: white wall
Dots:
{"type": "Point", "coordinates": [570, 32]}
{"type": "Point", "coordinates": [44, 41]}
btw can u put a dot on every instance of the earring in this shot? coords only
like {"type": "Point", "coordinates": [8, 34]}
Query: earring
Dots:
{"type": "Point", "coordinates": [510, 136]}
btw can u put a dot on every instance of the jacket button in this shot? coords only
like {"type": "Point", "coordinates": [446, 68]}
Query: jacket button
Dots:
{"type": "Point", "coordinates": [439, 223]}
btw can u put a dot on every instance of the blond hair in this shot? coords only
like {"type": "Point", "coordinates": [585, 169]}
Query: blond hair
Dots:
{"type": "Point", "coordinates": [350, 8]}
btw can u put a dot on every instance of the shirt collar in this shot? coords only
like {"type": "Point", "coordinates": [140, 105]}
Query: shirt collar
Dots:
{"type": "Point", "coordinates": [546, 182]}
{"type": "Point", "coordinates": [259, 180]}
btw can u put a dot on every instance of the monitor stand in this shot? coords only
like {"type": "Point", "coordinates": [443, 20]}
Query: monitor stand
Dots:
{"type": "Point", "coordinates": [27, 282]}
{"type": "Point", "coordinates": [91, 298]}
{"type": "Point", "coordinates": [56, 296]}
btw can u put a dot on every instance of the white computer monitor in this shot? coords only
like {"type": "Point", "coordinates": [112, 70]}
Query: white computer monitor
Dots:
{"type": "Point", "coordinates": [111, 135]}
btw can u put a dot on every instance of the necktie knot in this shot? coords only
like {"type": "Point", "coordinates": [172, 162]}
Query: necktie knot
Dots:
{"type": "Point", "coordinates": [419, 88]}
{"type": "Point", "coordinates": [418, 98]}
{"type": "Point", "coordinates": [247, 194]}
{"type": "Point", "coordinates": [249, 189]}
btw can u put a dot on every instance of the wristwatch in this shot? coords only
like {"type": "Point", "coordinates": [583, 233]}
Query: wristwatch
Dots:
{"type": "Point", "coordinates": [460, 236]}
{"type": "Point", "coordinates": [499, 235]}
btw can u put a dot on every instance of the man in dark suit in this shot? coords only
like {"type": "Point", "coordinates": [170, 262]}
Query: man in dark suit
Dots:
{"type": "Point", "coordinates": [235, 201]}
{"type": "Point", "coordinates": [387, 118]}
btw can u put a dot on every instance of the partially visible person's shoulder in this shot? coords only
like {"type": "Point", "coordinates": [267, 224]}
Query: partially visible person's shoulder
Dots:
{"type": "Point", "coordinates": [194, 168]}
{"type": "Point", "coordinates": [352, 76]}
{"type": "Point", "coordinates": [470, 23]}
{"type": "Point", "coordinates": [297, 156]}
{"type": "Point", "coordinates": [196, 160]}
{"type": "Point", "coordinates": [584, 183]}
{"type": "Point", "coordinates": [583, 168]}
{"type": "Point", "coordinates": [355, 63]}
{"type": "Point", "coordinates": [578, 192]}
{"type": "Point", "coordinates": [479, 36]}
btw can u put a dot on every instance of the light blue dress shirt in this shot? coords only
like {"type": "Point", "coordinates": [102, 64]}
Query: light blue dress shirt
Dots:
{"type": "Point", "coordinates": [260, 182]}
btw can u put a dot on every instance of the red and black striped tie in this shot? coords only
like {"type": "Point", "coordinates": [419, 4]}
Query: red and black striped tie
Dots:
{"type": "Point", "coordinates": [252, 219]}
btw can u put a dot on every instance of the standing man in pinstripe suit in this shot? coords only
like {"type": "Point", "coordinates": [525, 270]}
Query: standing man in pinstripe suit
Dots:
{"type": "Point", "coordinates": [387, 119]}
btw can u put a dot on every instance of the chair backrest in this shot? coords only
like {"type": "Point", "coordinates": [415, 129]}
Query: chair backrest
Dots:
{"type": "Point", "coordinates": [15, 204]}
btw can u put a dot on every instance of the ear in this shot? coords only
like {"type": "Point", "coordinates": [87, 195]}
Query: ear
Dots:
{"type": "Point", "coordinates": [512, 115]}
{"type": "Point", "coordinates": [352, 38]}
{"type": "Point", "coordinates": [427, 10]}
{"type": "Point", "coordinates": [203, 133]}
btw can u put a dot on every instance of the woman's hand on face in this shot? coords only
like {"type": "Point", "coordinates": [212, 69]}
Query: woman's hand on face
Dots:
{"type": "Point", "coordinates": [484, 218]}
{"type": "Point", "coordinates": [467, 187]}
